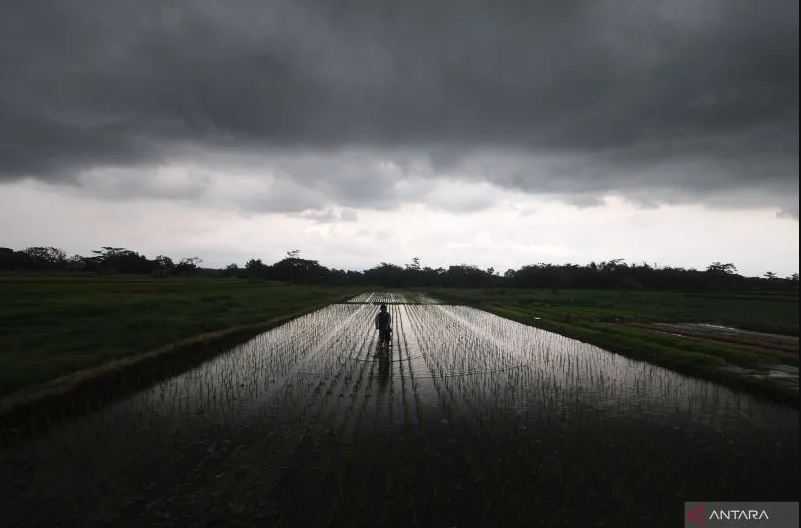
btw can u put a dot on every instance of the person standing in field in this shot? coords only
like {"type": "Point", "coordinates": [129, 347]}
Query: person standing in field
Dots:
{"type": "Point", "coordinates": [383, 323]}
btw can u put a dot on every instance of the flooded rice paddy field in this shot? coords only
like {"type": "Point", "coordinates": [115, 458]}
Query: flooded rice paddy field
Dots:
{"type": "Point", "coordinates": [392, 298]}
{"type": "Point", "coordinates": [469, 419]}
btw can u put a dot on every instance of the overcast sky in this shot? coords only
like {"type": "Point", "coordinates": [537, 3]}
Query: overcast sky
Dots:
{"type": "Point", "coordinates": [494, 133]}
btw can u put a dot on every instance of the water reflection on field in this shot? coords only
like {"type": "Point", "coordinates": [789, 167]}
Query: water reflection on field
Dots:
{"type": "Point", "coordinates": [468, 416]}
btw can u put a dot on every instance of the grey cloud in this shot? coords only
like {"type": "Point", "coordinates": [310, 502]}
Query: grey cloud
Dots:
{"type": "Point", "coordinates": [679, 100]}
{"type": "Point", "coordinates": [329, 215]}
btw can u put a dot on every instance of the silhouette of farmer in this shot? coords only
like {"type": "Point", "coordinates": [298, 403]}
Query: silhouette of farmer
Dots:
{"type": "Point", "coordinates": [383, 323]}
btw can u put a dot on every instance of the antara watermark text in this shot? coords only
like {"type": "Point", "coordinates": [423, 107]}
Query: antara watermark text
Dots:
{"type": "Point", "coordinates": [723, 514]}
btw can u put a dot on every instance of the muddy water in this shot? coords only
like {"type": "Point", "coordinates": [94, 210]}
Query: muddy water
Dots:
{"type": "Point", "coordinates": [466, 417]}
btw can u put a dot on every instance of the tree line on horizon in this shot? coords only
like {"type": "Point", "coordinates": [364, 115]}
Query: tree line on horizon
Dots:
{"type": "Point", "coordinates": [615, 273]}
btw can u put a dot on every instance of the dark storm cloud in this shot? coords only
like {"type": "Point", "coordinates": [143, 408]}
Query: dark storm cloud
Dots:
{"type": "Point", "coordinates": [683, 99]}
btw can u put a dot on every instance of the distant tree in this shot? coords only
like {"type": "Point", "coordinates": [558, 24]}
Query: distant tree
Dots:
{"type": "Point", "coordinates": [465, 276]}
{"type": "Point", "coordinates": [613, 264]}
{"type": "Point", "coordinates": [76, 263]}
{"type": "Point", "coordinates": [161, 266]}
{"type": "Point", "coordinates": [296, 269]}
{"type": "Point", "coordinates": [233, 270]}
{"type": "Point", "coordinates": [109, 251]}
{"type": "Point", "coordinates": [386, 274]}
{"type": "Point", "coordinates": [256, 268]}
{"type": "Point", "coordinates": [253, 264]}
{"type": "Point", "coordinates": [612, 274]}
{"type": "Point", "coordinates": [10, 259]}
{"type": "Point", "coordinates": [110, 259]}
{"type": "Point", "coordinates": [188, 265]}
{"type": "Point", "coordinates": [723, 269]}
{"type": "Point", "coordinates": [164, 263]}
{"type": "Point", "coordinates": [45, 256]}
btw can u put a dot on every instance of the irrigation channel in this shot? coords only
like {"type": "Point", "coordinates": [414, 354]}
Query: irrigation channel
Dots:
{"type": "Point", "coordinates": [470, 420]}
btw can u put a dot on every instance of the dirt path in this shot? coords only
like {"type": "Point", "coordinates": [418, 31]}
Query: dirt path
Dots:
{"type": "Point", "coordinates": [469, 419]}
{"type": "Point", "coordinates": [758, 340]}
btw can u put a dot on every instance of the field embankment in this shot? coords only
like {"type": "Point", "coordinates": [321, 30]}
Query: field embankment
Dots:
{"type": "Point", "coordinates": [671, 329]}
{"type": "Point", "coordinates": [52, 326]}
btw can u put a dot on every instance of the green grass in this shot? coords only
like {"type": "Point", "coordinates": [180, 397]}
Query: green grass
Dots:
{"type": "Point", "coordinates": [758, 311]}
{"type": "Point", "coordinates": [55, 325]}
{"type": "Point", "coordinates": [611, 319]}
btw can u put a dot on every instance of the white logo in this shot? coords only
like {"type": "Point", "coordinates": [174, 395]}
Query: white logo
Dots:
{"type": "Point", "coordinates": [738, 515]}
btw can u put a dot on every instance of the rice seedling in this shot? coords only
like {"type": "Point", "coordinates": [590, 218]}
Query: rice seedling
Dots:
{"type": "Point", "coordinates": [517, 423]}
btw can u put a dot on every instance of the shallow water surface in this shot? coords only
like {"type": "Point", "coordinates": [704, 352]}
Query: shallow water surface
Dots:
{"type": "Point", "coordinates": [466, 418]}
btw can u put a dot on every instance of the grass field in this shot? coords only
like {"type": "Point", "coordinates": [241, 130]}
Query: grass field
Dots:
{"type": "Point", "coordinates": [759, 311]}
{"type": "Point", "coordinates": [55, 325]}
{"type": "Point", "coordinates": [624, 321]}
